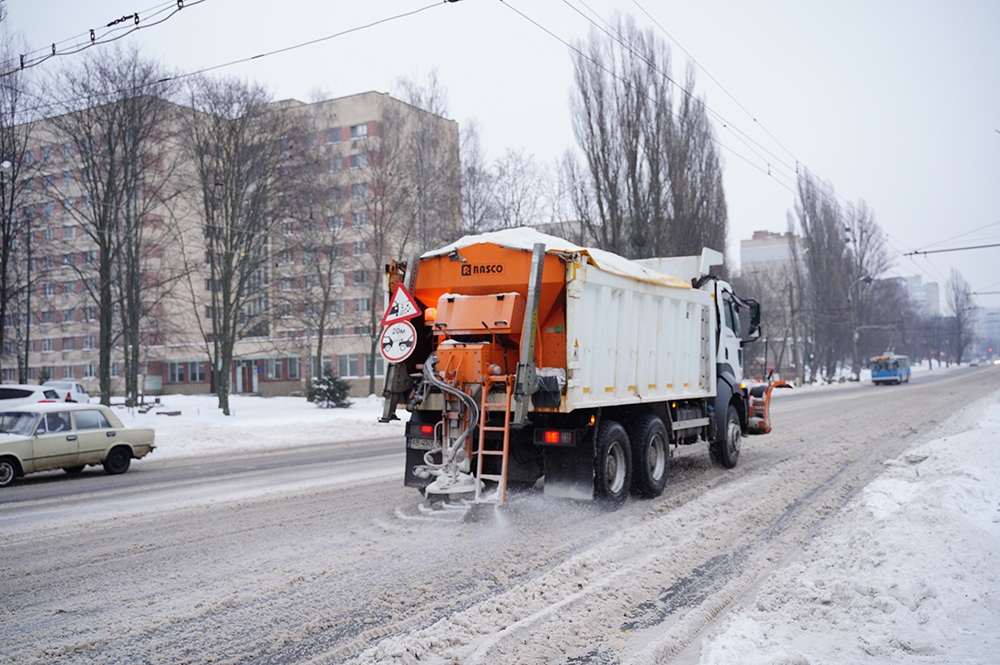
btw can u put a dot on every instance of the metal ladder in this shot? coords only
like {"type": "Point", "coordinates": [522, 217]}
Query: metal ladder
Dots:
{"type": "Point", "coordinates": [500, 496]}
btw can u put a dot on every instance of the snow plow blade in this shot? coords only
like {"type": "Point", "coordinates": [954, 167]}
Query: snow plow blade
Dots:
{"type": "Point", "coordinates": [759, 403]}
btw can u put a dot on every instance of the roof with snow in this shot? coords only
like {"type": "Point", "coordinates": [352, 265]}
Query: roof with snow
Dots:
{"type": "Point", "coordinates": [525, 238]}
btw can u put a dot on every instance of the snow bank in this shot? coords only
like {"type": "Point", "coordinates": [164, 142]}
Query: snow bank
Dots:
{"type": "Point", "coordinates": [256, 424]}
{"type": "Point", "coordinates": [907, 571]}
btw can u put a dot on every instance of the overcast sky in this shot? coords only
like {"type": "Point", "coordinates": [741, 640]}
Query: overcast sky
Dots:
{"type": "Point", "coordinates": [894, 102]}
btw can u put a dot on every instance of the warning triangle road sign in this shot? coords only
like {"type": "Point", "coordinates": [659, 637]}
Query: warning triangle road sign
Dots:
{"type": "Point", "coordinates": [401, 307]}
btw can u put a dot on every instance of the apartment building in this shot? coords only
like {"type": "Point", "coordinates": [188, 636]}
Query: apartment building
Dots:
{"type": "Point", "coordinates": [329, 249]}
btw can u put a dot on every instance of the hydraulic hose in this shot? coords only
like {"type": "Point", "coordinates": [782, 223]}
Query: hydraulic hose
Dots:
{"type": "Point", "coordinates": [448, 454]}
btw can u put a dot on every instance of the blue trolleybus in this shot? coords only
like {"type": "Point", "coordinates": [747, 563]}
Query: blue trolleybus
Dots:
{"type": "Point", "coordinates": [890, 368]}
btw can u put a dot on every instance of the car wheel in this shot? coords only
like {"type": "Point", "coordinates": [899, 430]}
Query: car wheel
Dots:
{"type": "Point", "coordinates": [613, 464]}
{"type": "Point", "coordinates": [118, 460]}
{"type": "Point", "coordinates": [8, 472]}
{"type": "Point", "coordinates": [726, 452]}
{"type": "Point", "coordinates": [73, 470]}
{"type": "Point", "coordinates": [650, 456]}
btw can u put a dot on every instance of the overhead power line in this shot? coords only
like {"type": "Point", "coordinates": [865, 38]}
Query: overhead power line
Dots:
{"type": "Point", "coordinates": [953, 249]}
{"type": "Point", "coordinates": [63, 102]}
{"type": "Point", "coordinates": [113, 31]}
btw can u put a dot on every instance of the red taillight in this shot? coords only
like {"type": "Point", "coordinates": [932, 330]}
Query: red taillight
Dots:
{"type": "Point", "coordinates": [69, 397]}
{"type": "Point", "coordinates": [426, 430]}
{"type": "Point", "coordinates": [551, 436]}
{"type": "Point", "coordinates": [555, 437]}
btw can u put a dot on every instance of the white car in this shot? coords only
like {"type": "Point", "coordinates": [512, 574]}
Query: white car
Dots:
{"type": "Point", "coordinates": [18, 394]}
{"type": "Point", "coordinates": [64, 436]}
{"type": "Point", "coordinates": [71, 391]}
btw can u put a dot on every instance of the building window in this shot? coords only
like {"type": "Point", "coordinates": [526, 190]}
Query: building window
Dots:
{"type": "Point", "coordinates": [334, 223]}
{"type": "Point", "coordinates": [48, 235]}
{"type": "Point", "coordinates": [337, 279]}
{"type": "Point", "coordinates": [359, 161]}
{"type": "Point", "coordinates": [69, 177]}
{"type": "Point", "coordinates": [360, 247]}
{"type": "Point", "coordinates": [68, 343]}
{"type": "Point", "coordinates": [211, 285]}
{"type": "Point", "coordinates": [362, 304]}
{"type": "Point", "coordinates": [9, 375]}
{"type": "Point", "coordinates": [196, 372]}
{"type": "Point", "coordinates": [48, 152]}
{"type": "Point", "coordinates": [67, 288]}
{"type": "Point", "coordinates": [333, 136]}
{"type": "Point", "coordinates": [294, 369]}
{"type": "Point", "coordinates": [89, 371]}
{"type": "Point", "coordinates": [90, 256]}
{"type": "Point", "coordinates": [272, 369]}
{"type": "Point", "coordinates": [68, 372]}
{"type": "Point", "coordinates": [359, 132]}
{"type": "Point", "coordinates": [334, 164]}
{"type": "Point", "coordinates": [48, 262]}
{"type": "Point", "coordinates": [114, 370]}
{"type": "Point", "coordinates": [359, 219]}
{"type": "Point", "coordinates": [310, 281]}
{"type": "Point", "coordinates": [89, 342]}
{"type": "Point", "coordinates": [48, 346]}
{"type": "Point", "coordinates": [288, 228]}
{"type": "Point", "coordinates": [90, 313]}
{"type": "Point", "coordinates": [348, 365]}
{"type": "Point", "coordinates": [69, 315]}
{"type": "Point", "coordinates": [48, 317]}
{"type": "Point", "coordinates": [334, 194]}
{"type": "Point", "coordinates": [30, 374]}
{"type": "Point", "coordinates": [48, 209]}
{"type": "Point", "coordinates": [48, 181]}
{"type": "Point", "coordinates": [360, 276]}
{"type": "Point", "coordinates": [286, 256]}
{"type": "Point", "coordinates": [287, 284]}
{"type": "Point", "coordinates": [175, 372]}
{"type": "Point", "coordinates": [359, 190]}
{"type": "Point", "coordinates": [363, 331]}
{"type": "Point", "coordinates": [285, 310]}
{"type": "Point", "coordinates": [67, 149]}
{"type": "Point", "coordinates": [48, 289]}
{"type": "Point", "coordinates": [69, 259]}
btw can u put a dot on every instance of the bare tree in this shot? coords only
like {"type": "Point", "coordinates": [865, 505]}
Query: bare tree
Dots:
{"type": "Point", "coordinates": [826, 279]}
{"type": "Point", "coordinates": [518, 189]}
{"type": "Point", "coordinates": [699, 215]}
{"type": "Point", "coordinates": [115, 122]}
{"type": "Point", "coordinates": [479, 212]}
{"type": "Point", "coordinates": [433, 165]}
{"type": "Point", "coordinates": [652, 180]}
{"type": "Point", "coordinates": [242, 151]}
{"type": "Point", "coordinates": [16, 163]}
{"type": "Point", "coordinates": [960, 302]}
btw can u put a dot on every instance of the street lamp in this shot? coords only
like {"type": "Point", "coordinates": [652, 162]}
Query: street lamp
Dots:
{"type": "Point", "coordinates": [864, 279]}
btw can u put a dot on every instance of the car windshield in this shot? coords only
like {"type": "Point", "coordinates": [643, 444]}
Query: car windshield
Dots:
{"type": "Point", "coordinates": [18, 422]}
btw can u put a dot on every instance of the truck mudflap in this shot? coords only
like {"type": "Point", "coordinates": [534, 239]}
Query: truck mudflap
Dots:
{"type": "Point", "coordinates": [759, 405]}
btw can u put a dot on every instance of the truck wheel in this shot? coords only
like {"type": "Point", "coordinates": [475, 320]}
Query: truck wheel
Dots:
{"type": "Point", "coordinates": [726, 452]}
{"type": "Point", "coordinates": [650, 456]}
{"type": "Point", "coordinates": [613, 464]}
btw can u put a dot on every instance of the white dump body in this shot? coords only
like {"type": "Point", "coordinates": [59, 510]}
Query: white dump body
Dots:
{"type": "Point", "coordinates": [632, 341]}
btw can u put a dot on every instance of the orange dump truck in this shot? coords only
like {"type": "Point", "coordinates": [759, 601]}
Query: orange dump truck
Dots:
{"type": "Point", "coordinates": [535, 358]}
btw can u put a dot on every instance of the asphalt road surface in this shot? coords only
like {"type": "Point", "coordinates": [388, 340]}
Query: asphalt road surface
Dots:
{"type": "Point", "coordinates": [320, 555]}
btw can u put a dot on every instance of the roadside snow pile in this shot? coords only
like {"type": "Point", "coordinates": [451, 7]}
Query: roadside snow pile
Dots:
{"type": "Point", "coordinates": [256, 424]}
{"type": "Point", "coordinates": [908, 570]}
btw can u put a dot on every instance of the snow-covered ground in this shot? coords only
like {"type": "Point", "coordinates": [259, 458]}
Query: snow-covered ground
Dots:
{"type": "Point", "coordinates": [908, 571]}
{"type": "Point", "coordinates": [257, 424]}
{"type": "Point", "coordinates": [905, 571]}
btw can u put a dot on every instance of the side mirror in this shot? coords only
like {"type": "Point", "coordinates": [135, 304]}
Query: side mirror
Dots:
{"type": "Point", "coordinates": [753, 332]}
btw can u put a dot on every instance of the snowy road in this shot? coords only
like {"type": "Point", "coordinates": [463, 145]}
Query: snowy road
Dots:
{"type": "Point", "coordinates": [330, 560]}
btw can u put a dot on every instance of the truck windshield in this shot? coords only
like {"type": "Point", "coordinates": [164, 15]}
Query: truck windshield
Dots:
{"type": "Point", "coordinates": [18, 422]}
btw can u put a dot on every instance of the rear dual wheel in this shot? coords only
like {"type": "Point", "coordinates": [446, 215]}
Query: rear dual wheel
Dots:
{"type": "Point", "coordinates": [612, 464]}
{"type": "Point", "coordinates": [650, 456]}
